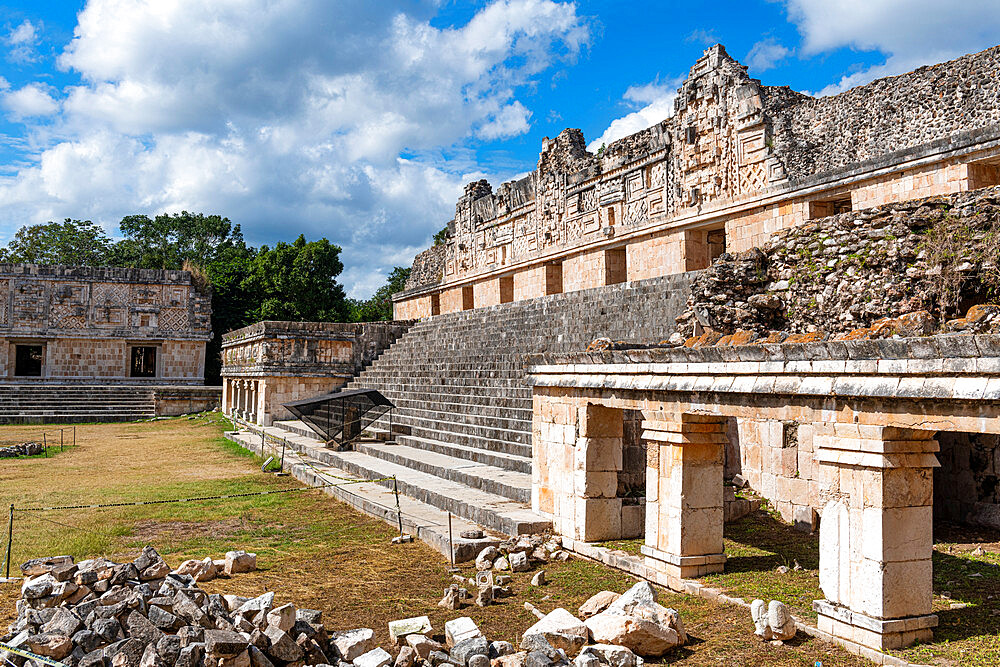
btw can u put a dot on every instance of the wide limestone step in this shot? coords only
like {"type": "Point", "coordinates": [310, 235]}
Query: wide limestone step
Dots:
{"type": "Point", "coordinates": [486, 509]}
{"type": "Point", "coordinates": [498, 441]}
{"type": "Point", "coordinates": [489, 510]}
{"type": "Point", "coordinates": [507, 483]}
{"type": "Point", "coordinates": [513, 462]}
{"type": "Point", "coordinates": [421, 520]}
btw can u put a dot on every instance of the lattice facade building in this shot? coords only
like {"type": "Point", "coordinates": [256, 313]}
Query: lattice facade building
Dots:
{"type": "Point", "coordinates": [61, 324]}
{"type": "Point", "coordinates": [735, 163]}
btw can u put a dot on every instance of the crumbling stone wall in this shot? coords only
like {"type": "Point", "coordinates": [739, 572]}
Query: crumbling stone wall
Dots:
{"type": "Point", "coordinates": [428, 268]}
{"type": "Point", "coordinates": [816, 135]}
{"type": "Point", "coordinates": [931, 258]}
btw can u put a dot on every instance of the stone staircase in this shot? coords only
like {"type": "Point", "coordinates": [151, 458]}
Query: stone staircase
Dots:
{"type": "Point", "coordinates": [69, 403]}
{"type": "Point", "coordinates": [460, 436]}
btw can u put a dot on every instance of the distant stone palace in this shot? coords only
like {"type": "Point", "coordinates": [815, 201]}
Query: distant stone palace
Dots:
{"type": "Point", "coordinates": [76, 324]}
{"type": "Point", "coordinates": [736, 162]}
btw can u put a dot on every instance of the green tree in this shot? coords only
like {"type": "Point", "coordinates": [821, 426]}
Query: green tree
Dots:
{"type": "Point", "coordinates": [379, 306]}
{"type": "Point", "coordinates": [72, 242]}
{"type": "Point", "coordinates": [169, 240]}
{"type": "Point", "coordinates": [210, 244]}
{"type": "Point", "coordinates": [298, 281]}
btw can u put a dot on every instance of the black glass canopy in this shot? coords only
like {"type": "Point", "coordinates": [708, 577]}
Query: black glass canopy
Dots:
{"type": "Point", "coordinates": [341, 416]}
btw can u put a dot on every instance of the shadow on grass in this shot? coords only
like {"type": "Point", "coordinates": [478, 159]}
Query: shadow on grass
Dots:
{"type": "Point", "coordinates": [970, 582]}
{"type": "Point", "coordinates": [759, 543]}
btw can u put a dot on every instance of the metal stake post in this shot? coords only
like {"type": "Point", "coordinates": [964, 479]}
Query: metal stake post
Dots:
{"type": "Point", "coordinates": [451, 543]}
{"type": "Point", "coordinates": [60, 440]}
{"type": "Point", "coordinates": [10, 539]}
{"type": "Point", "coordinates": [45, 447]}
{"type": "Point", "coordinates": [281, 466]}
{"type": "Point", "coordinates": [399, 512]}
{"type": "Point", "coordinates": [74, 436]}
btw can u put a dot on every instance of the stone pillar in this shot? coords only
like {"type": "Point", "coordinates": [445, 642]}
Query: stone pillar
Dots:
{"type": "Point", "coordinates": [242, 412]}
{"type": "Point", "coordinates": [876, 534]}
{"type": "Point", "coordinates": [597, 462]}
{"type": "Point", "coordinates": [226, 395]}
{"type": "Point", "coordinates": [684, 493]}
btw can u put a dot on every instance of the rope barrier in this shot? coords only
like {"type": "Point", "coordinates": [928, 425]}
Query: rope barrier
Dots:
{"type": "Point", "coordinates": [346, 481]}
{"type": "Point", "coordinates": [31, 656]}
{"type": "Point", "coordinates": [400, 513]}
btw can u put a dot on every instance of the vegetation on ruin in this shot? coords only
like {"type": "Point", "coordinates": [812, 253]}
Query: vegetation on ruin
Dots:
{"type": "Point", "coordinates": [312, 550]}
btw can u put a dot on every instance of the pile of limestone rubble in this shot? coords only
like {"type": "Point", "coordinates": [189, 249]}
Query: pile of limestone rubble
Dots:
{"type": "Point", "coordinates": [97, 613]}
{"type": "Point", "coordinates": [23, 449]}
{"type": "Point", "coordinates": [877, 273]}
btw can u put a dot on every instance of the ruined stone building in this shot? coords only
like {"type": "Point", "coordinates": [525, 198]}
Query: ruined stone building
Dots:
{"type": "Point", "coordinates": [735, 163]}
{"type": "Point", "coordinates": [775, 284]}
{"type": "Point", "coordinates": [268, 364]}
{"type": "Point", "coordinates": [66, 330]}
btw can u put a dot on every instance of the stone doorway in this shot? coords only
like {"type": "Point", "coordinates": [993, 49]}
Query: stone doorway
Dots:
{"type": "Point", "coordinates": [142, 362]}
{"type": "Point", "coordinates": [28, 360]}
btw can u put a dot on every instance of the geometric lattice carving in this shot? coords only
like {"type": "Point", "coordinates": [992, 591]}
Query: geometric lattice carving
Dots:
{"type": "Point", "coordinates": [173, 319]}
{"type": "Point", "coordinates": [68, 316]}
{"type": "Point", "coordinates": [587, 200]}
{"type": "Point", "coordinates": [753, 177]}
{"type": "Point", "coordinates": [111, 294]}
{"type": "Point", "coordinates": [636, 212]}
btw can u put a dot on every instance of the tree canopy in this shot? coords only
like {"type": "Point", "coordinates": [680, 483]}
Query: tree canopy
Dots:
{"type": "Point", "coordinates": [379, 306]}
{"type": "Point", "coordinates": [71, 242]}
{"type": "Point", "coordinates": [298, 281]}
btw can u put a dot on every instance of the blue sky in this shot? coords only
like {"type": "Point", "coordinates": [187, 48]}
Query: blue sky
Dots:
{"type": "Point", "coordinates": [360, 121]}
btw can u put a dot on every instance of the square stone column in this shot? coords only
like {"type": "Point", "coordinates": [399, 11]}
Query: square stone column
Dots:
{"type": "Point", "coordinates": [227, 395]}
{"type": "Point", "coordinates": [876, 535]}
{"type": "Point", "coordinates": [576, 457]}
{"type": "Point", "coordinates": [684, 493]}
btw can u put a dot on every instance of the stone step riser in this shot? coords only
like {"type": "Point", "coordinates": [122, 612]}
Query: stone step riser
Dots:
{"type": "Point", "coordinates": [517, 494]}
{"type": "Point", "coordinates": [484, 516]}
{"type": "Point", "coordinates": [484, 456]}
{"type": "Point", "coordinates": [489, 443]}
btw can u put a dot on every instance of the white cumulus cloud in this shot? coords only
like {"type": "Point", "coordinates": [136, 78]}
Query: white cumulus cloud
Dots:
{"type": "Point", "coordinates": [652, 102]}
{"type": "Point", "coordinates": [766, 54]}
{"type": "Point", "coordinates": [288, 116]}
{"type": "Point", "coordinates": [910, 33]}
{"type": "Point", "coordinates": [32, 100]}
{"type": "Point", "coordinates": [22, 41]}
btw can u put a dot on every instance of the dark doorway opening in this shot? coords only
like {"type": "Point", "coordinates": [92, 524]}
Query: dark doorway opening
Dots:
{"type": "Point", "coordinates": [143, 362]}
{"type": "Point", "coordinates": [28, 360]}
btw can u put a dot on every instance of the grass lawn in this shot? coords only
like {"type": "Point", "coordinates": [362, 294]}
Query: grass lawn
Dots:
{"type": "Point", "coordinates": [312, 550]}
{"type": "Point", "coordinates": [966, 583]}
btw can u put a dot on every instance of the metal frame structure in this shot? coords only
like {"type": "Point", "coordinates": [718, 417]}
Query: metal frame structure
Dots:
{"type": "Point", "coordinates": [341, 416]}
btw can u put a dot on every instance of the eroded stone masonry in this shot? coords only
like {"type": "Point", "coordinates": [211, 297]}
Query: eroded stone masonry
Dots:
{"type": "Point", "coordinates": [737, 162]}
{"type": "Point", "coordinates": [102, 325]}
